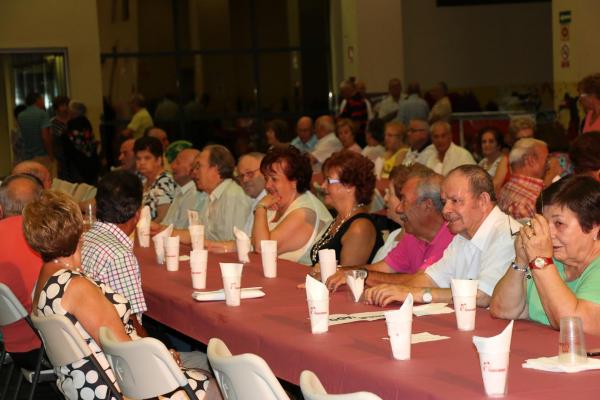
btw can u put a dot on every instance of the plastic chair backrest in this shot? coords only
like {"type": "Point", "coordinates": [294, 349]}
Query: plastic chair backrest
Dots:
{"type": "Point", "coordinates": [144, 368]}
{"type": "Point", "coordinates": [63, 342]}
{"type": "Point", "coordinates": [243, 377]}
{"type": "Point", "coordinates": [312, 389]}
{"type": "Point", "coordinates": [11, 309]}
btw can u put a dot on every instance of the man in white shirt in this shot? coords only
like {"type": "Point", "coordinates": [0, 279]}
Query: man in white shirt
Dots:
{"type": "Point", "coordinates": [186, 195]}
{"type": "Point", "coordinates": [420, 144]}
{"type": "Point", "coordinates": [227, 204]}
{"type": "Point", "coordinates": [447, 155]}
{"type": "Point", "coordinates": [305, 140]}
{"type": "Point", "coordinates": [387, 109]}
{"type": "Point", "coordinates": [327, 143]}
{"type": "Point", "coordinates": [482, 248]}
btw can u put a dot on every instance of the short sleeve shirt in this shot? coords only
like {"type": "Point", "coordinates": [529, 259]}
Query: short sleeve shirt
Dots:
{"type": "Point", "coordinates": [585, 287]}
{"type": "Point", "coordinates": [31, 121]}
{"type": "Point", "coordinates": [140, 122]}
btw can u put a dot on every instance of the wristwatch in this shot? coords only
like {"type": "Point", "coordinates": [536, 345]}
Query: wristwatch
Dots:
{"type": "Point", "coordinates": [540, 262]}
{"type": "Point", "coordinates": [362, 273]}
{"type": "Point", "coordinates": [427, 297]}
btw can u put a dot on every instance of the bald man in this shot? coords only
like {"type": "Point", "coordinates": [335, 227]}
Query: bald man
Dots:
{"type": "Point", "coordinates": [186, 195]}
{"type": "Point", "coordinates": [305, 140]}
{"type": "Point", "coordinates": [327, 142]}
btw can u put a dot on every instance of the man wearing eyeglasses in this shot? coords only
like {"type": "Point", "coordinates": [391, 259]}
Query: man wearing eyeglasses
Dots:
{"type": "Point", "coordinates": [186, 195]}
{"type": "Point", "coordinates": [419, 141]}
{"type": "Point", "coordinates": [482, 248]}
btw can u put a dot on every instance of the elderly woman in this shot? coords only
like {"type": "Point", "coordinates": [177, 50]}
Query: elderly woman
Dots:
{"type": "Point", "coordinates": [53, 227]}
{"type": "Point", "coordinates": [395, 148]}
{"type": "Point", "coordinates": [346, 131]}
{"type": "Point", "coordinates": [589, 96]}
{"type": "Point", "coordinates": [349, 185]}
{"type": "Point", "coordinates": [561, 252]}
{"type": "Point", "coordinates": [159, 186]}
{"type": "Point", "coordinates": [289, 213]}
{"type": "Point", "coordinates": [491, 142]}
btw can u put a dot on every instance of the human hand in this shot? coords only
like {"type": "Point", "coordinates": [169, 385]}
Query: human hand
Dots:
{"type": "Point", "coordinates": [336, 280]}
{"type": "Point", "coordinates": [270, 202]}
{"type": "Point", "coordinates": [536, 238]}
{"type": "Point", "coordinates": [382, 295]}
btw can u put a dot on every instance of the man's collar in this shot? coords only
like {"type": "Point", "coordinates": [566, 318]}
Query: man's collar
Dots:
{"type": "Point", "coordinates": [484, 230]}
{"type": "Point", "coordinates": [218, 191]}
{"type": "Point", "coordinates": [187, 187]}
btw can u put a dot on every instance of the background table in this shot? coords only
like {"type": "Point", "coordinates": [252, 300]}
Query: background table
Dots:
{"type": "Point", "coordinates": [351, 357]}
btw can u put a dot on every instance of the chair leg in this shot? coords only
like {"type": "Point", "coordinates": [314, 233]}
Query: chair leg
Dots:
{"type": "Point", "coordinates": [36, 375]}
{"type": "Point", "coordinates": [18, 388]}
{"type": "Point", "coordinates": [7, 383]}
{"type": "Point", "coordinates": [2, 358]}
{"type": "Point", "coordinates": [111, 386]}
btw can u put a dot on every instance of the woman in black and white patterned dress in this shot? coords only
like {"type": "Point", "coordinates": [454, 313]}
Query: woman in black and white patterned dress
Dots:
{"type": "Point", "coordinates": [53, 226]}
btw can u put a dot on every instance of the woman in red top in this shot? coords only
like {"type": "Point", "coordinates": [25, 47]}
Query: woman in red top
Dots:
{"type": "Point", "coordinates": [589, 96]}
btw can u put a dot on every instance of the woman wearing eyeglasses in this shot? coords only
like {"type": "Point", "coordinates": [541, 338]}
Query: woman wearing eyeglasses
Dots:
{"type": "Point", "coordinates": [289, 213]}
{"type": "Point", "coordinates": [349, 185]}
{"type": "Point", "coordinates": [556, 272]}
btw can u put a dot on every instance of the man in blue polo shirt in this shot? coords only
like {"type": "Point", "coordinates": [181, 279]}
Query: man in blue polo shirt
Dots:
{"type": "Point", "coordinates": [35, 130]}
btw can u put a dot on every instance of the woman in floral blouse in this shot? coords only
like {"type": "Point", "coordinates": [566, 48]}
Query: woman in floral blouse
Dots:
{"type": "Point", "coordinates": [159, 186]}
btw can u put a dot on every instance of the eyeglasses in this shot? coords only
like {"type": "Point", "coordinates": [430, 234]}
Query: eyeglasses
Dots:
{"type": "Point", "coordinates": [332, 181]}
{"type": "Point", "coordinates": [248, 175]}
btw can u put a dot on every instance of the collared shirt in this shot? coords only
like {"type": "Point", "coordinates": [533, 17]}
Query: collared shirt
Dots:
{"type": "Point", "coordinates": [186, 198]}
{"type": "Point", "coordinates": [107, 256]}
{"type": "Point", "coordinates": [388, 106]}
{"type": "Point", "coordinates": [420, 156]}
{"type": "Point", "coordinates": [414, 107]}
{"type": "Point", "coordinates": [324, 148]}
{"type": "Point", "coordinates": [517, 197]}
{"type": "Point", "coordinates": [455, 156]}
{"type": "Point", "coordinates": [140, 122]}
{"type": "Point", "coordinates": [250, 219]}
{"type": "Point", "coordinates": [485, 257]}
{"type": "Point", "coordinates": [305, 147]}
{"type": "Point", "coordinates": [31, 122]}
{"type": "Point", "coordinates": [373, 152]}
{"type": "Point", "coordinates": [412, 254]}
{"type": "Point", "coordinates": [227, 206]}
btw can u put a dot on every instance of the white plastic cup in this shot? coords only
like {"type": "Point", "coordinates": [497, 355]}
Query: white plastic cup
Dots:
{"type": "Point", "coordinates": [143, 233]}
{"type": "Point", "coordinates": [159, 248]}
{"type": "Point", "coordinates": [571, 342]}
{"type": "Point", "coordinates": [327, 263]}
{"type": "Point", "coordinates": [268, 253]}
{"type": "Point", "coordinates": [198, 265]}
{"type": "Point", "coordinates": [172, 253]}
{"type": "Point", "coordinates": [318, 311]}
{"type": "Point", "coordinates": [494, 371]}
{"type": "Point", "coordinates": [400, 333]}
{"type": "Point", "coordinates": [197, 236]}
{"type": "Point", "coordinates": [231, 274]}
{"type": "Point", "coordinates": [465, 309]}
{"type": "Point", "coordinates": [243, 248]}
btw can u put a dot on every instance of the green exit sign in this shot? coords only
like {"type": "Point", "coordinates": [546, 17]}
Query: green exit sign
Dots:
{"type": "Point", "coordinates": [564, 17]}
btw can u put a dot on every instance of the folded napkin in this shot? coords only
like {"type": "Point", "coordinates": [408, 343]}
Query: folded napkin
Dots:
{"type": "Point", "coordinates": [404, 313]}
{"type": "Point", "coordinates": [242, 242]}
{"type": "Point", "coordinates": [145, 217]}
{"type": "Point", "coordinates": [432, 309]}
{"type": "Point", "coordinates": [219, 295]}
{"type": "Point", "coordinates": [165, 233]}
{"type": "Point", "coordinates": [423, 337]}
{"type": "Point", "coordinates": [551, 364]}
{"type": "Point", "coordinates": [315, 290]}
{"type": "Point", "coordinates": [495, 344]}
{"type": "Point", "coordinates": [193, 217]}
{"type": "Point", "coordinates": [356, 282]}
{"type": "Point", "coordinates": [327, 263]}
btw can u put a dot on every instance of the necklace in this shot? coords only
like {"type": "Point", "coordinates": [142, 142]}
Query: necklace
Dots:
{"type": "Point", "coordinates": [331, 231]}
{"type": "Point", "coordinates": [67, 265]}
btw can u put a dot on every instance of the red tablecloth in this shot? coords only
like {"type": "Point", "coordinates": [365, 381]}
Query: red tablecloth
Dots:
{"type": "Point", "coordinates": [352, 357]}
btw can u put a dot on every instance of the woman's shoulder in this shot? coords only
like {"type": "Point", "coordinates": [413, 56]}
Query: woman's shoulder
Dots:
{"type": "Point", "coordinates": [361, 223]}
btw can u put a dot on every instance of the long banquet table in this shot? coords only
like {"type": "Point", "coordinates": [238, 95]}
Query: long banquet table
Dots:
{"type": "Point", "coordinates": [351, 357]}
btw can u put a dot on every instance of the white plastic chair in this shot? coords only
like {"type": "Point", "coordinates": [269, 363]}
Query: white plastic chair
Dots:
{"type": "Point", "coordinates": [11, 311]}
{"type": "Point", "coordinates": [243, 377]}
{"type": "Point", "coordinates": [64, 345]}
{"type": "Point", "coordinates": [312, 389]}
{"type": "Point", "coordinates": [144, 368]}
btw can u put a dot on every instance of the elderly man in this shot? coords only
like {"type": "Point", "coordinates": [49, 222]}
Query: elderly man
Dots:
{"type": "Point", "coordinates": [442, 109]}
{"type": "Point", "coordinates": [227, 204]}
{"type": "Point", "coordinates": [426, 235]}
{"type": "Point", "coordinates": [327, 144]}
{"type": "Point", "coordinates": [19, 264]}
{"type": "Point", "coordinates": [253, 183]}
{"type": "Point", "coordinates": [305, 140]}
{"type": "Point", "coordinates": [387, 109]}
{"type": "Point", "coordinates": [527, 159]}
{"type": "Point", "coordinates": [186, 195]}
{"type": "Point", "coordinates": [127, 156]}
{"type": "Point", "coordinates": [419, 141]}
{"type": "Point", "coordinates": [141, 120]}
{"type": "Point", "coordinates": [481, 249]}
{"type": "Point", "coordinates": [414, 107]}
{"type": "Point", "coordinates": [447, 155]}
{"type": "Point", "coordinates": [107, 251]}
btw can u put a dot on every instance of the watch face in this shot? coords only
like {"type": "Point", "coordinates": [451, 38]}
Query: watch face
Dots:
{"type": "Point", "coordinates": [427, 297]}
{"type": "Point", "coordinates": [539, 262]}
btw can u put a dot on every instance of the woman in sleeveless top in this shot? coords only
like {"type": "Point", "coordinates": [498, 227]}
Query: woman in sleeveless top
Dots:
{"type": "Point", "coordinates": [53, 226]}
{"type": "Point", "coordinates": [289, 213]}
{"type": "Point", "coordinates": [349, 185]}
